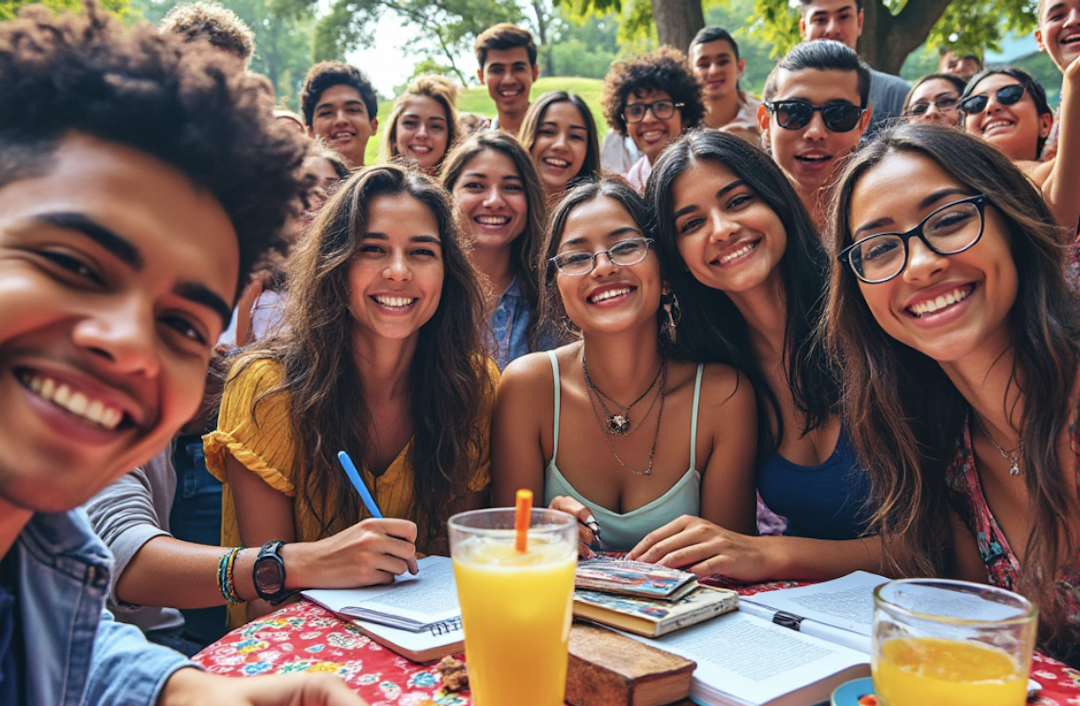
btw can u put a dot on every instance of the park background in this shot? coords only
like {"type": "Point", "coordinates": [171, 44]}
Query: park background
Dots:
{"type": "Point", "coordinates": [392, 41]}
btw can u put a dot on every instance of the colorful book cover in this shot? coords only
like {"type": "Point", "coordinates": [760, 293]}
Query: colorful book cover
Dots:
{"type": "Point", "coordinates": [653, 617]}
{"type": "Point", "coordinates": [633, 578]}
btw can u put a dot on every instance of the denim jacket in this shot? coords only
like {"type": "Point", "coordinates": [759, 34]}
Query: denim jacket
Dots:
{"type": "Point", "coordinates": [75, 652]}
{"type": "Point", "coordinates": [510, 325]}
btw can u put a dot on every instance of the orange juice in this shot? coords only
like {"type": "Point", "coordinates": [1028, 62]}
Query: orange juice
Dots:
{"type": "Point", "coordinates": [516, 611]}
{"type": "Point", "coordinates": [926, 671]}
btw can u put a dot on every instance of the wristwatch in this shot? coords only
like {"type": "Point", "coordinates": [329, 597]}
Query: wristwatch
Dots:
{"type": "Point", "coordinates": [269, 573]}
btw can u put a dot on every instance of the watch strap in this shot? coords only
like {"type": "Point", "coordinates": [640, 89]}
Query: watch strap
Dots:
{"type": "Point", "coordinates": [271, 552]}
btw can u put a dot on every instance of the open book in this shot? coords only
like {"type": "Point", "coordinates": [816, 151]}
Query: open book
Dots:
{"type": "Point", "coordinates": [781, 648]}
{"type": "Point", "coordinates": [416, 616]}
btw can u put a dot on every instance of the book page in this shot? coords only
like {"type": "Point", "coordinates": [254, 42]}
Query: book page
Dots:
{"type": "Point", "coordinates": [428, 597]}
{"type": "Point", "coordinates": [846, 602]}
{"type": "Point", "coordinates": [753, 660]}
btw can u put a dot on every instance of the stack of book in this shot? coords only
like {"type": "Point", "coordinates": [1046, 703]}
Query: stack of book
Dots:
{"type": "Point", "coordinates": [645, 599]}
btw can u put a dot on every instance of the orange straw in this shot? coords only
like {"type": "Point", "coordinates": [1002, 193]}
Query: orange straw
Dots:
{"type": "Point", "coordinates": [522, 513]}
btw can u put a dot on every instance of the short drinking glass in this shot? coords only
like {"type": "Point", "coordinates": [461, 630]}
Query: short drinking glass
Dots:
{"type": "Point", "coordinates": [516, 608]}
{"type": "Point", "coordinates": [951, 642]}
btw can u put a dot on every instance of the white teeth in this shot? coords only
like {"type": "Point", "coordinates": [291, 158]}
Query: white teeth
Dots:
{"type": "Point", "coordinates": [996, 123]}
{"type": "Point", "coordinates": [95, 411]}
{"type": "Point", "coordinates": [493, 220]}
{"type": "Point", "coordinates": [420, 149]}
{"type": "Point", "coordinates": [609, 294]}
{"type": "Point", "coordinates": [938, 303]}
{"type": "Point", "coordinates": [394, 302]}
{"type": "Point", "coordinates": [738, 253]}
{"type": "Point", "coordinates": [561, 163]}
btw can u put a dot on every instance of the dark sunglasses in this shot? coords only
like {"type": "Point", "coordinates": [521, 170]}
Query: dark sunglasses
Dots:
{"type": "Point", "coordinates": [944, 103]}
{"type": "Point", "coordinates": [1006, 95]}
{"type": "Point", "coordinates": [795, 114]}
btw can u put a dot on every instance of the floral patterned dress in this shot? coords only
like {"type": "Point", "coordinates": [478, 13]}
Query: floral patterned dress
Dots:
{"type": "Point", "coordinates": [1002, 566]}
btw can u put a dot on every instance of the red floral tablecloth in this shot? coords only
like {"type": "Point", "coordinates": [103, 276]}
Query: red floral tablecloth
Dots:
{"type": "Point", "coordinates": [306, 638]}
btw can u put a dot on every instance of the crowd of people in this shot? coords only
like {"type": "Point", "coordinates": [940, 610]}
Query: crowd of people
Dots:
{"type": "Point", "coordinates": [836, 329]}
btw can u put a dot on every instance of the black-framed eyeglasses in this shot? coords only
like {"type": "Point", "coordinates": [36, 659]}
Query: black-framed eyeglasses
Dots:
{"type": "Point", "coordinates": [661, 110]}
{"type": "Point", "coordinates": [945, 103]}
{"type": "Point", "coordinates": [623, 253]}
{"type": "Point", "coordinates": [795, 114]}
{"type": "Point", "coordinates": [951, 229]}
{"type": "Point", "coordinates": [1006, 95]}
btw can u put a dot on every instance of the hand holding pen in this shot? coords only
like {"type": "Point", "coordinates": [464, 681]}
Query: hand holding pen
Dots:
{"type": "Point", "coordinates": [589, 538]}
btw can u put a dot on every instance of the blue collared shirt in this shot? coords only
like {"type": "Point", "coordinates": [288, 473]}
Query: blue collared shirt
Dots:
{"type": "Point", "coordinates": [74, 652]}
{"type": "Point", "coordinates": [510, 325]}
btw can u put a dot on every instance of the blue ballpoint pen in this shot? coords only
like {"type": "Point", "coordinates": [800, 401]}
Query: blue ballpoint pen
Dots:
{"type": "Point", "coordinates": [358, 483]}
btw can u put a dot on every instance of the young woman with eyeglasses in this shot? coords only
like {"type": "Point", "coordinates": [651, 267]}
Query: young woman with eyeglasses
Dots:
{"type": "Point", "coordinates": [653, 98]}
{"type": "Point", "coordinates": [1008, 109]}
{"type": "Point", "coordinates": [613, 428]}
{"type": "Point", "coordinates": [749, 272]}
{"type": "Point", "coordinates": [933, 99]}
{"type": "Point", "coordinates": [960, 341]}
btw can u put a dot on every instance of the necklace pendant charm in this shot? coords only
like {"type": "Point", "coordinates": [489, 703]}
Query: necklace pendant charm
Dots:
{"type": "Point", "coordinates": [647, 472]}
{"type": "Point", "coordinates": [618, 424]}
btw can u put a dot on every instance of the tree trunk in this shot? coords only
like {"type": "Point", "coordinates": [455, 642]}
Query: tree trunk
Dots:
{"type": "Point", "coordinates": [545, 48]}
{"type": "Point", "coordinates": [677, 21]}
{"type": "Point", "coordinates": [887, 39]}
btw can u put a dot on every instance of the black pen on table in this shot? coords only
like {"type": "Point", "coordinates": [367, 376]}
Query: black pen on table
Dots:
{"type": "Point", "coordinates": [358, 483]}
{"type": "Point", "coordinates": [590, 522]}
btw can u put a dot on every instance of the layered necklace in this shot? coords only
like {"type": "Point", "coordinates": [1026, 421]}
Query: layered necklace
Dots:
{"type": "Point", "coordinates": [619, 424]}
{"type": "Point", "coordinates": [1013, 457]}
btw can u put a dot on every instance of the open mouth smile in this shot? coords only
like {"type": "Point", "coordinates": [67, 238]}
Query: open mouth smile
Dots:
{"type": "Point", "coordinates": [93, 411]}
{"type": "Point", "coordinates": [742, 250]}
{"type": "Point", "coordinates": [607, 294]}
{"type": "Point", "coordinates": [394, 303]}
{"type": "Point", "coordinates": [932, 306]}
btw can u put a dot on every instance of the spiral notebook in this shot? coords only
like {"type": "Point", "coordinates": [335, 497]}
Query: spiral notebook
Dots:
{"type": "Point", "coordinates": [424, 603]}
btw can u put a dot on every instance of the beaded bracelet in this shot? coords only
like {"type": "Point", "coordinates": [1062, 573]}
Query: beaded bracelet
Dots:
{"type": "Point", "coordinates": [225, 575]}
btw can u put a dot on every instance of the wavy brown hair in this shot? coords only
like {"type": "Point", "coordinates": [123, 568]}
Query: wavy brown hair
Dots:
{"type": "Point", "coordinates": [450, 391]}
{"type": "Point", "coordinates": [438, 89]}
{"type": "Point", "coordinates": [525, 248]}
{"type": "Point", "coordinates": [534, 116]}
{"type": "Point", "coordinates": [904, 414]}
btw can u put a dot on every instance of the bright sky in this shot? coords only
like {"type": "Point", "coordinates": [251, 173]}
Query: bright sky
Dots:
{"type": "Point", "coordinates": [386, 63]}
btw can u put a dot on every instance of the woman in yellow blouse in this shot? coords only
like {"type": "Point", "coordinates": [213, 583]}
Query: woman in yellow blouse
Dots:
{"type": "Point", "coordinates": [382, 358]}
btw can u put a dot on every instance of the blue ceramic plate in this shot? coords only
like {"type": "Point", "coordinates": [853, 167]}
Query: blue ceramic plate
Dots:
{"type": "Point", "coordinates": [849, 693]}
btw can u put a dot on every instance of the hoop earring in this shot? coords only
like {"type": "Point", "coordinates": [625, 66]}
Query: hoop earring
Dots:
{"type": "Point", "coordinates": [673, 314]}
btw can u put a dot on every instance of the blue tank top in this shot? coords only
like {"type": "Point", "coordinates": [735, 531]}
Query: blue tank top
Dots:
{"type": "Point", "coordinates": [827, 501]}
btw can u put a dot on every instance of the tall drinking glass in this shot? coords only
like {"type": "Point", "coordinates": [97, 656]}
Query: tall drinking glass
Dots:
{"type": "Point", "coordinates": [951, 642]}
{"type": "Point", "coordinates": [516, 607]}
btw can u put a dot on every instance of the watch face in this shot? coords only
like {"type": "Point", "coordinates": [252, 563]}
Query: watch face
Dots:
{"type": "Point", "coordinates": [268, 578]}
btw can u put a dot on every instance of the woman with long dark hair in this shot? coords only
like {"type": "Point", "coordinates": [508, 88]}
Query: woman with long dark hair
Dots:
{"type": "Point", "coordinates": [560, 133]}
{"type": "Point", "coordinates": [960, 337]}
{"type": "Point", "coordinates": [749, 276]}
{"type": "Point", "coordinates": [613, 428]}
{"type": "Point", "coordinates": [500, 206]}
{"type": "Point", "coordinates": [382, 358]}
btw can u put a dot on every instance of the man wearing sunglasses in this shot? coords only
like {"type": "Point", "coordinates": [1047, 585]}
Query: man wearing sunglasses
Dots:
{"type": "Point", "coordinates": [842, 21]}
{"type": "Point", "coordinates": [814, 114]}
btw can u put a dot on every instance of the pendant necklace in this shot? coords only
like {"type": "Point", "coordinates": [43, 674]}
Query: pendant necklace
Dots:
{"type": "Point", "coordinates": [608, 432]}
{"type": "Point", "coordinates": [1012, 457]}
{"type": "Point", "coordinates": [619, 424]}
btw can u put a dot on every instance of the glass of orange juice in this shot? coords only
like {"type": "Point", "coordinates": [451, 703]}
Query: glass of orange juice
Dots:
{"type": "Point", "coordinates": [951, 642]}
{"type": "Point", "coordinates": [516, 607]}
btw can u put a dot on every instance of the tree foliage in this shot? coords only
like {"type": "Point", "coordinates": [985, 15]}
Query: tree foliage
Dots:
{"type": "Point", "coordinates": [10, 8]}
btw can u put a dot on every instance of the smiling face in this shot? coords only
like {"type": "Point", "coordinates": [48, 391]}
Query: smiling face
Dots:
{"type": "Point", "coordinates": [341, 118]}
{"type": "Point", "coordinates": [562, 141]}
{"type": "Point", "coordinates": [610, 298]}
{"type": "Point", "coordinates": [1014, 129]}
{"type": "Point", "coordinates": [715, 64]}
{"type": "Point", "coordinates": [932, 93]}
{"type": "Point", "coordinates": [396, 273]}
{"type": "Point", "coordinates": [652, 135]}
{"type": "Point", "coordinates": [491, 202]}
{"type": "Point", "coordinates": [422, 132]}
{"type": "Point", "coordinates": [1058, 33]}
{"type": "Point", "coordinates": [110, 305]}
{"type": "Point", "coordinates": [948, 307]}
{"type": "Point", "coordinates": [809, 155]}
{"type": "Point", "coordinates": [728, 237]}
{"type": "Point", "coordinates": [839, 20]}
{"type": "Point", "coordinates": [509, 77]}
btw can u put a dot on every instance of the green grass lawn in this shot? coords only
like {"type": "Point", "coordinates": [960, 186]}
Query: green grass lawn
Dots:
{"type": "Point", "coordinates": [477, 100]}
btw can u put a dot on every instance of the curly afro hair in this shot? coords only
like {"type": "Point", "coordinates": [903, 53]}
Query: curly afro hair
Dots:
{"type": "Point", "coordinates": [207, 20]}
{"type": "Point", "coordinates": [664, 69]}
{"type": "Point", "coordinates": [86, 73]}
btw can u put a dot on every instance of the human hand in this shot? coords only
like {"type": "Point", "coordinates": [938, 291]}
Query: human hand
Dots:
{"type": "Point", "coordinates": [586, 522]}
{"type": "Point", "coordinates": [191, 687]}
{"type": "Point", "coordinates": [694, 544]}
{"type": "Point", "coordinates": [371, 551]}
